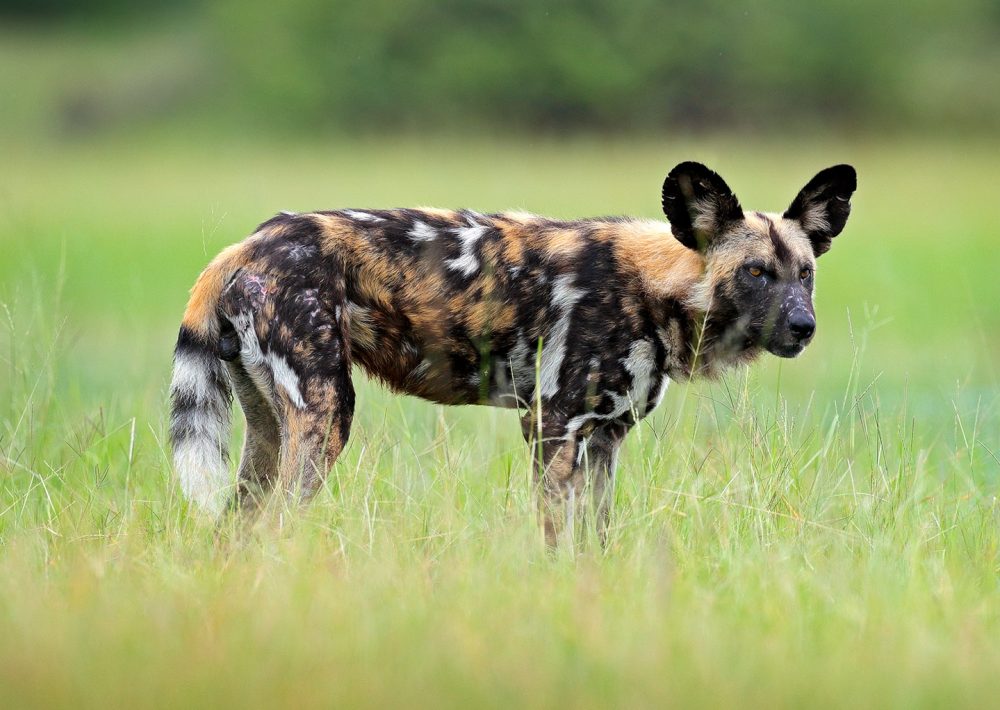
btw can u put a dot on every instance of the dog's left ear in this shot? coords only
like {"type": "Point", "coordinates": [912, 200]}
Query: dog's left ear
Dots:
{"type": "Point", "coordinates": [698, 204]}
{"type": "Point", "coordinates": [823, 205]}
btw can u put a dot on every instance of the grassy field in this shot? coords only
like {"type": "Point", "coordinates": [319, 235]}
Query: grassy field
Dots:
{"type": "Point", "coordinates": [821, 531]}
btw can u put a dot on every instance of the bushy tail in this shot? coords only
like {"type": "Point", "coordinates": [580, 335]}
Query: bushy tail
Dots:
{"type": "Point", "coordinates": [201, 406]}
{"type": "Point", "coordinates": [200, 393]}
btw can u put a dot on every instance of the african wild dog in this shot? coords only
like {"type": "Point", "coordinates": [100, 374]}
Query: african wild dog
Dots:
{"type": "Point", "coordinates": [579, 324]}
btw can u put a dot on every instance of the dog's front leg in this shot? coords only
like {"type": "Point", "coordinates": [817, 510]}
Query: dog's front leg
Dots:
{"type": "Point", "coordinates": [574, 475]}
{"type": "Point", "coordinates": [599, 454]}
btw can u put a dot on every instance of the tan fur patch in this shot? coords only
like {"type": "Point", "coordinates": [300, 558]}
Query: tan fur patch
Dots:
{"type": "Point", "coordinates": [521, 217]}
{"type": "Point", "coordinates": [515, 236]}
{"type": "Point", "coordinates": [563, 243]}
{"type": "Point", "coordinates": [447, 215]}
{"type": "Point", "coordinates": [340, 235]}
{"type": "Point", "coordinates": [667, 267]}
{"type": "Point", "coordinates": [199, 316]}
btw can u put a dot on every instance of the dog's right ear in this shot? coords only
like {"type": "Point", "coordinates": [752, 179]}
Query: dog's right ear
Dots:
{"type": "Point", "coordinates": [698, 204]}
{"type": "Point", "coordinates": [823, 205]}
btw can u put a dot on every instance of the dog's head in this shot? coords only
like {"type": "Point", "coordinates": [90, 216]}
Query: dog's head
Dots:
{"type": "Point", "coordinates": [760, 267]}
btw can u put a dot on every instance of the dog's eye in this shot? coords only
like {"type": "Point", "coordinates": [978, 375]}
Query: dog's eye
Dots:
{"type": "Point", "coordinates": [805, 273]}
{"type": "Point", "coordinates": [755, 271]}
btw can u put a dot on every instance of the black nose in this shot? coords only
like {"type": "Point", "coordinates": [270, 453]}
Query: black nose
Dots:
{"type": "Point", "coordinates": [802, 325]}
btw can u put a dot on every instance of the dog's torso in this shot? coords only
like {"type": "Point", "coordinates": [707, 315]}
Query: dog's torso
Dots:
{"type": "Point", "coordinates": [464, 308]}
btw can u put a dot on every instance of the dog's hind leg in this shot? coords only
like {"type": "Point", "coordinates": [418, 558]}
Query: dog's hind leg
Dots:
{"type": "Point", "coordinates": [258, 469]}
{"type": "Point", "coordinates": [310, 364]}
{"type": "Point", "coordinates": [299, 403]}
{"type": "Point", "coordinates": [291, 367]}
{"type": "Point", "coordinates": [313, 435]}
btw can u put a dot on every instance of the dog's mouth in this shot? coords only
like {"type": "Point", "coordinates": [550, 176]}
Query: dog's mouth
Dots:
{"type": "Point", "coordinates": [746, 336]}
{"type": "Point", "coordinates": [786, 349]}
{"type": "Point", "coordinates": [778, 341]}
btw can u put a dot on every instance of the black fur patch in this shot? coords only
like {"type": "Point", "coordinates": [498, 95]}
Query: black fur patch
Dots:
{"type": "Point", "coordinates": [826, 199]}
{"type": "Point", "coordinates": [781, 252]}
{"type": "Point", "coordinates": [693, 193]}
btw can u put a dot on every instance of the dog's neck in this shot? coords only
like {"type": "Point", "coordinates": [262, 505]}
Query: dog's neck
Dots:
{"type": "Point", "coordinates": [664, 267]}
{"type": "Point", "coordinates": [700, 339]}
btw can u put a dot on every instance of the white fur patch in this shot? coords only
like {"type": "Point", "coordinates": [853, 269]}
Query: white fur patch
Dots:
{"type": "Point", "coordinates": [422, 232]}
{"type": "Point", "coordinates": [200, 458]}
{"type": "Point", "coordinates": [564, 297]}
{"type": "Point", "coordinates": [467, 262]}
{"type": "Point", "coordinates": [664, 383]}
{"type": "Point", "coordinates": [251, 356]}
{"type": "Point", "coordinates": [285, 377]}
{"type": "Point", "coordinates": [202, 471]}
{"type": "Point", "coordinates": [640, 365]}
{"type": "Point", "coordinates": [190, 377]}
{"type": "Point", "coordinates": [362, 216]}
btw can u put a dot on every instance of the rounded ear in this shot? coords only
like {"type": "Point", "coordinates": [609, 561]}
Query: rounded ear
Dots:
{"type": "Point", "coordinates": [823, 205]}
{"type": "Point", "coordinates": [698, 203]}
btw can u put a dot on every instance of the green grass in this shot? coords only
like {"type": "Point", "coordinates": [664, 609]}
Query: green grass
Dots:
{"type": "Point", "coordinates": [820, 531]}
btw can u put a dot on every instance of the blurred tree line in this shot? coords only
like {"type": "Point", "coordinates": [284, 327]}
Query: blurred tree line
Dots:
{"type": "Point", "coordinates": [558, 64]}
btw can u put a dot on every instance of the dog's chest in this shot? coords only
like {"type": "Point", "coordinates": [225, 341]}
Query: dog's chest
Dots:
{"type": "Point", "coordinates": [588, 387]}
{"type": "Point", "coordinates": [628, 389]}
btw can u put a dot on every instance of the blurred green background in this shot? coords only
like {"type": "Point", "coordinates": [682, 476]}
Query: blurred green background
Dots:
{"type": "Point", "coordinates": [501, 65]}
